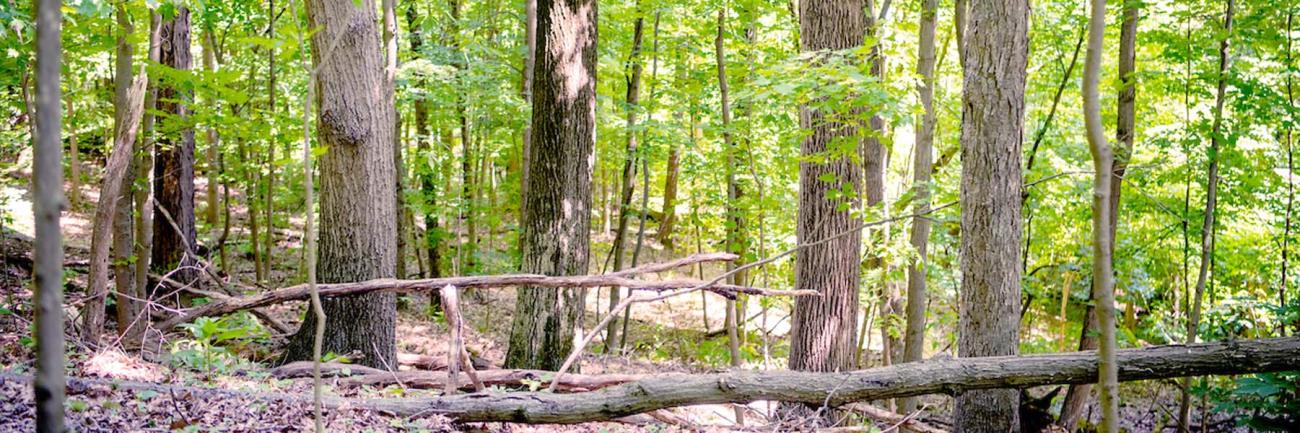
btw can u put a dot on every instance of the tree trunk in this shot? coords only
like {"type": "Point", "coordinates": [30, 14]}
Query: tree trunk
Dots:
{"type": "Point", "coordinates": [399, 166]}
{"type": "Point", "coordinates": [665, 235]}
{"type": "Point", "coordinates": [823, 329]}
{"type": "Point", "coordinates": [47, 185]}
{"type": "Point", "coordinates": [1290, 178]}
{"type": "Point", "coordinates": [174, 163]}
{"type": "Point", "coordinates": [211, 167]}
{"type": "Point", "coordinates": [268, 251]}
{"type": "Point", "coordinates": [74, 158]}
{"type": "Point", "coordinates": [735, 221]}
{"type": "Point", "coordinates": [874, 163]}
{"type": "Point", "coordinates": [123, 221]}
{"type": "Point", "coordinates": [556, 237]}
{"type": "Point", "coordinates": [526, 88]}
{"type": "Point", "coordinates": [358, 237]}
{"type": "Point", "coordinates": [1103, 278]}
{"type": "Point", "coordinates": [144, 166]}
{"type": "Point", "coordinates": [992, 123]}
{"type": "Point", "coordinates": [922, 167]}
{"type": "Point", "coordinates": [427, 168]}
{"type": "Point", "coordinates": [1211, 201]}
{"type": "Point", "coordinates": [628, 180]}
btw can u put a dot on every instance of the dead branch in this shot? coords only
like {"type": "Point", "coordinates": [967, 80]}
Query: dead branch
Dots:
{"type": "Point", "coordinates": [329, 369]}
{"type": "Point", "coordinates": [302, 292]}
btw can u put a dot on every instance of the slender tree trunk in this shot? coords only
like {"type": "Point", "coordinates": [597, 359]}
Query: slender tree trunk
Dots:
{"type": "Point", "coordinates": [74, 158]}
{"type": "Point", "coordinates": [556, 238]}
{"type": "Point", "coordinates": [874, 163]}
{"type": "Point", "coordinates": [358, 236]}
{"type": "Point", "coordinates": [823, 328]}
{"type": "Point", "coordinates": [144, 166]}
{"type": "Point", "coordinates": [433, 234]}
{"type": "Point", "coordinates": [735, 221]}
{"type": "Point", "coordinates": [128, 309]}
{"type": "Point", "coordinates": [399, 166]}
{"type": "Point", "coordinates": [211, 166]}
{"type": "Point", "coordinates": [922, 167]}
{"type": "Point", "coordinates": [628, 180]}
{"type": "Point", "coordinates": [1290, 178]}
{"type": "Point", "coordinates": [47, 184]}
{"type": "Point", "coordinates": [992, 125]}
{"type": "Point", "coordinates": [268, 251]}
{"type": "Point", "coordinates": [1103, 278]}
{"type": "Point", "coordinates": [1211, 202]}
{"type": "Point", "coordinates": [174, 162]}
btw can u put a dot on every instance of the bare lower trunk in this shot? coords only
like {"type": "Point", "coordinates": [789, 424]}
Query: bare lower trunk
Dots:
{"type": "Point", "coordinates": [992, 121]}
{"type": "Point", "coordinates": [357, 210]}
{"type": "Point", "coordinates": [557, 226]}
{"type": "Point", "coordinates": [174, 163]}
{"type": "Point", "coordinates": [47, 185]}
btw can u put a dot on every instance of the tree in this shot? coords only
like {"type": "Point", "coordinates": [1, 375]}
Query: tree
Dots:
{"type": "Point", "coordinates": [1103, 278]}
{"type": "Point", "coordinates": [557, 225]}
{"type": "Point", "coordinates": [48, 251]}
{"type": "Point", "coordinates": [995, 50]}
{"type": "Point", "coordinates": [922, 166]}
{"type": "Point", "coordinates": [823, 328]}
{"type": "Point", "coordinates": [628, 182]}
{"type": "Point", "coordinates": [174, 232]}
{"type": "Point", "coordinates": [1211, 202]}
{"type": "Point", "coordinates": [358, 233]}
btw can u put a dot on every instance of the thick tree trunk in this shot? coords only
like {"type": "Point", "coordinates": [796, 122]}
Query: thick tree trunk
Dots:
{"type": "Point", "coordinates": [556, 238]}
{"type": "Point", "coordinates": [992, 122]}
{"type": "Point", "coordinates": [174, 162]}
{"type": "Point", "coordinates": [47, 185]}
{"type": "Point", "coordinates": [1211, 201]}
{"type": "Point", "coordinates": [358, 237]}
{"type": "Point", "coordinates": [823, 329]}
{"type": "Point", "coordinates": [922, 167]}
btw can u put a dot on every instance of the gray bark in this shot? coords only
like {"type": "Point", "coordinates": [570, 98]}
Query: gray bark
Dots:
{"type": "Point", "coordinates": [47, 185]}
{"type": "Point", "coordinates": [358, 234]}
{"type": "Point", "coordinates": [922, 167]}
{"type": "Point", "coordinates": [823, 328]}
{"type": "Point", "coordinates": [995, 53]}
{"type": "Point", "coordinates": [557, 226]}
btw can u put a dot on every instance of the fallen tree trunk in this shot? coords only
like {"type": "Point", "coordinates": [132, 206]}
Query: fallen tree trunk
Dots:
{"type": "Point", "coordinates": [836, 389]}
{"type": "Point", "coordinates": [620, 279]}
{"type": "Point", "coordinates": [832, 389]}
{"type": "Point", "coordinates": [439, 379]}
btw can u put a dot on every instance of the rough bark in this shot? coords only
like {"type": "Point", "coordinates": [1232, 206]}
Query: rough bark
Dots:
{"type": "Point", "coordinates": [556, 229]}
{"type": "Point", "coordinates": [1211, 201]}
{"type": "Point", "coordinates": [922, 166]}
{"type": "Point", "coordinates": [995, 52]}
{"type": "Point", "coordinates": [47, 253]}
{"type": "Point", "coordinates": [174, 161]}
{"type": "Point", "coordinates": [823, 332]}
{"type": "Point", "coordinates": [357, 210]}
{"type": "Point", "coordinates": [832, 389]}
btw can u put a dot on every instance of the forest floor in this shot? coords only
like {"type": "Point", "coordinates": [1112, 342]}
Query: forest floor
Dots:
{"type": "Point", "coordinates": [679, 335]}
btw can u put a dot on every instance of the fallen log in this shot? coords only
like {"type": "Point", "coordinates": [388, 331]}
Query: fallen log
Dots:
{"type": "Point", "coordinates": [831, 389]}
{"type": "Point", "coordinates": [388, 285]}
{"type": "Point", "coordinates": [439, 363]}
{"type": "Point", "coordinates": [837, 389]}
{"type": "Point", "coordinates": [504, 377]}
{"type": "Point", "coordinates": [327, 369]}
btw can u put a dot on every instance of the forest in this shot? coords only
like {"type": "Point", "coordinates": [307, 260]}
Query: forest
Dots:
{"type": "Point", "coordinates": [973, 216]}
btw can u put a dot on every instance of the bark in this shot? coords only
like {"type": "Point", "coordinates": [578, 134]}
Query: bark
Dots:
{"type": "Point", "coordinates": [74, 159]}
{"type": "Point", "coordinates": [1076, 397]}
{"type": "Point", "coordinates": [1103, 278]}
{"type": "Point", "coordinates": [823, 332]}
{"type": "Point", "coordinates": [556, 229]}
{"type": "Point", "coordinates": [144, 167]}
{"type": "Point", "coordinates": [500, 378]}
{"type": "Point", "coordinates": [357, 237]}
{"type": "Point", "coordinates": [399, 166]}
{"type": "Point", "coordinates": [1211, 200]}
{"type": "Point", "coordinates": [673, 169]}
{"type": "Point", "coordinates": [433, 236]}
{"type": "Point", "coordinates": [123, 223]}
{"type": "Point", "coordinates": [992, 123]}
{"type": "Point", "coordinates": [212, 167]}
{"type": "Point", "coordinates": [115, 176]}
{"type": "Point", "coordinates": [874, 163]}
{"type": "Point", "coordinates": [47, 252]}
{"type": "Point", "coordinates": [174, 161]}
{"type": "Point", "coordinates": [735, 221]}
{"type": "Point", "coordinates": [922, 167]}
{"type": "Point", "coordinates": [268, 251]}
{"type": "Point", "coordinates": [818, 389]}
{"type": "Point", "coordinates": [628, 180]}
{"type": "Point", "coordinates": [526, 88]}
